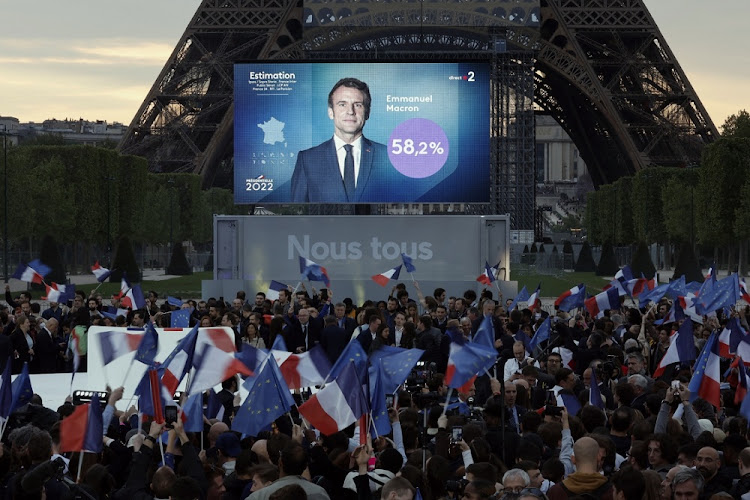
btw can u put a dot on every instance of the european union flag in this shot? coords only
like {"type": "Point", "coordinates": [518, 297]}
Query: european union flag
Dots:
{"type": "Point", "coordinates": [180, 318]}
{"type": "Point", "coordinates": [174, 301]}
{"type": "Point", "coordinates": [21, 389]}
{"type": "Point", "coordinates": [722, 293]}
{"type": "Point", "coordinates": [148, 345]}
{"type": "Point", "coordinates": [380, 420]}
{"type": "Point", "coordinates": [522, 337]}
{"type": "Point", "coordinates": [193, 409]}
{"type": "Point", "coordinates": [522, 296]}
{"type": "Point", "coordinates": [541, 334]}
{"type": "Point", "coordinates": [353, 353]}
{"type": "Point", "coordinates": [486, 333]}
{"type": "Point", "coordinates": [396, 368]}
{"type": "Point", "coordinates": [268, 400]}
{"type": "Point", "coordinates": [407, 263]}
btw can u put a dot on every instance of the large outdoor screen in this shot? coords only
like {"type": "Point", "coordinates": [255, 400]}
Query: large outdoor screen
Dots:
{"type": "Point", "coordinates": [419, 132]}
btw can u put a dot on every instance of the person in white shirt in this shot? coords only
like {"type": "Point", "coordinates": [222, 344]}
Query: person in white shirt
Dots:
{"type": "Point", "coordinates": [513, 367]}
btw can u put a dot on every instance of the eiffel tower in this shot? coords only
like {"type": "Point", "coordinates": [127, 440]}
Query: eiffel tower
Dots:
{"type": "Point", "coordinates": [601, 68]}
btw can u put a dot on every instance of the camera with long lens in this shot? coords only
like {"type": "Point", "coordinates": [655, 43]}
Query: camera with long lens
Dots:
{"type": "Point", "coordinates": [456, 487]}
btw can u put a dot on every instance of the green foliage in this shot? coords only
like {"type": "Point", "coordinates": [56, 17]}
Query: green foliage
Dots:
{"type": "Point", "coordinates": [641, 263]}
{"type": "Point", "coordinates": [687, 264]}
{"type": "Point", "coordinates": [585, 262]}
{"type": "Point", "coordinates": [737, 125]}
{"type": "Point", "coordinates": [679, 205]}
{"type": "Point", "coordinates": [178, 263]}
{"type": "Point", "coordinates": [125, 261]}
{"type": "Point", "coordinates": [607, 262]}
{"type": "Point", "coordinates": [650, 210]}
{"type": "Point", "coordinates": [623, 211]}
{"type": "Point", "coordinates": [725, 165]}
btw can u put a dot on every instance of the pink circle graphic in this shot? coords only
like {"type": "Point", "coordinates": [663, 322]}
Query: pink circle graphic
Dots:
{"type": "Point", "coordinates": [418, 148]}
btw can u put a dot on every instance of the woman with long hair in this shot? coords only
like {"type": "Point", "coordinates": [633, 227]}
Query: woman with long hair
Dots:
{"type": "Point", "coordinates": [22, 343]}
{"type": "Point", "coordinates": [252, 337]}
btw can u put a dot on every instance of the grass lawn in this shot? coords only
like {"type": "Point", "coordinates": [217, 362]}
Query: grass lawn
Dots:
{"type": "Point", "coordinates": [190, 286]}
{"type": "Point", "coordinates": [555, 285]}
{"type": "Point", "coordinates": [181, 286]}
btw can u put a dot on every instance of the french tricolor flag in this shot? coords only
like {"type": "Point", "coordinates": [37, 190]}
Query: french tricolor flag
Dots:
{"type": "Point", "coordinates": [116, 344]}
{"type": "Point", "coordinates": [214, 366]}
{"type": "Point", "coordinates": [608, 299]}
{"type": "Point", "coordinates": [707, 376]}
{"type": "Point", "coordinates": [681, 348]}
{"type": "Point", "coordinates": [743, 350]}
{"type": "Point", "coordinates": [134, 298]}
{"type": "Point", "coordinates": [488, 275]}
{"type": "Point", "coordinates": [179, 361]}
{"type": "Point", "coordinates": [637, 286]}
{"type": "Point", "coordinates": [575, 297]}
{"type": "Point", "coordinates": [101, 273]}
{"type": "Point", "coordinates": [382, 279]}
{"type": "Point", "coordinates": [730, 337]}
{"type": "Point", "coordinates": [338, 405]}
{"type": "Point", "coordinates": [313, 271]}
{"type": "Point", "coordinates": [274, 288]}
{"type": "Point", "coordinates": [83, 429]}
{"type": "Point", "coordinates": [742, 385]}
{"type": "Point", "coordinates": [303, 370]}
{"type": "Point", "coordinates": [534, 301]}
{"type": "Point", "coordinates": [55, 292]}
{"type": "Point", "coordinates": [33, 272]}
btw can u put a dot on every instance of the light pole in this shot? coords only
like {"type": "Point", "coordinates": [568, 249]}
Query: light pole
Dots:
{"type": "Point", "coordinates": [5, 197]}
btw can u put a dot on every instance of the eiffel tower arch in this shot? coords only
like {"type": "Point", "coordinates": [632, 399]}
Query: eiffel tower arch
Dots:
{"type": "Point", "coordinates": [601, 68]}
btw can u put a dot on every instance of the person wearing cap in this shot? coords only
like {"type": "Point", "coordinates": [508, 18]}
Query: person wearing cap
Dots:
{"type": "Point", "coordinates": [228, 448]}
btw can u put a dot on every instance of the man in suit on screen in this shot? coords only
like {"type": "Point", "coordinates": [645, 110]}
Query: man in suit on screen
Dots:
{"type": "Point", "coordinates": [347, 168]}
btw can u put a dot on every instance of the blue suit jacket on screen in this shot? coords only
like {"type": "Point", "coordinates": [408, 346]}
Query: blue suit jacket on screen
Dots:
{"type": "Point", "coordinates": [317, 178]}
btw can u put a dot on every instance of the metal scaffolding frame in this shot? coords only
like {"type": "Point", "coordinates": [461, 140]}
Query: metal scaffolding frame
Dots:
{"type": "Point", "coordinates": [601, 68]}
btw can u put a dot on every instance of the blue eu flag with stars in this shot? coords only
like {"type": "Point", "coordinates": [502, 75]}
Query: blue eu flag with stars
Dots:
{"type": "Point", "coordinates": [21, 389]}
{"type": "Point", "coordinates": [268, 399]}
{"type": "Point", "coordinates": [380, 420]}
{"type": "Point", "coordinates": [148, 345]}
{"type": "Point", "coordinates": [396, 368]}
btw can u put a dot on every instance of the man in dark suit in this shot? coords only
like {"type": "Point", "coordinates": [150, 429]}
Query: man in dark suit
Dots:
{"type": "Point", "coordinates": [514, 412]}
{"type": "Point", "coordinates": [348, 167]}
{"type": "Point", "coordinates": [47, 347]}
{"type": "Point", "coordinates": [333, 339]}
{"type": "Point", "coordinates": [305, 331]}
{"type": "Point", "coordinates": [342, 320]}
{"type": "Point", "coordinates": [367, 335]}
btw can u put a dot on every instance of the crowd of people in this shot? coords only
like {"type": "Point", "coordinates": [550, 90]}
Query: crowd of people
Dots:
{"type": "Point", "coordinates": [515, 433]}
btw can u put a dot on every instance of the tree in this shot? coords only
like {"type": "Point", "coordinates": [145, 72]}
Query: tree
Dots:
{"type": "Point", "coordinates": [607, 262]}
{"type": "Point", "coordinates": [124, 261]}
{"type": "Point", "coordinates": [641, 263]}
{"type": "Point", "coordinates": [585, 262]}
{"type": "Point", "coordinates": [178, 264]}
{"type": "Point", "coordinates": [679, 208]}
{"type": "Point", "coordinates": [687, 264]}
{"type": "Point", "coordinates": [50, 255]}
{"type": "Point", "coordinates": [737, 125]}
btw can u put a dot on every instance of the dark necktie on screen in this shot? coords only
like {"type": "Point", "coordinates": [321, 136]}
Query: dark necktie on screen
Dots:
{"type": "Point", "coordinates": [304, 333]}
{"type": "Point", "coordinates": [349, 172]}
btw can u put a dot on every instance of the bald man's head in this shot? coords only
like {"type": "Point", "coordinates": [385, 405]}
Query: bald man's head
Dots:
{"type": "Point", "coordinates": [585, 453]}
{"type": "Point", "coordinates": [215, 431]}
{"type": "Point", "coordinates": [260, 449]}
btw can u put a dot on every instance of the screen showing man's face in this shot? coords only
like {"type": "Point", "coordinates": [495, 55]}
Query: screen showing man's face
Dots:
{"type": "Point", "coordinates": [348, 113]}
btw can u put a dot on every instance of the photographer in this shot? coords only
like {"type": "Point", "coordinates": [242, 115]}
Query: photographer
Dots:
{"type": "Point", "coordinates": [678, 394]}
